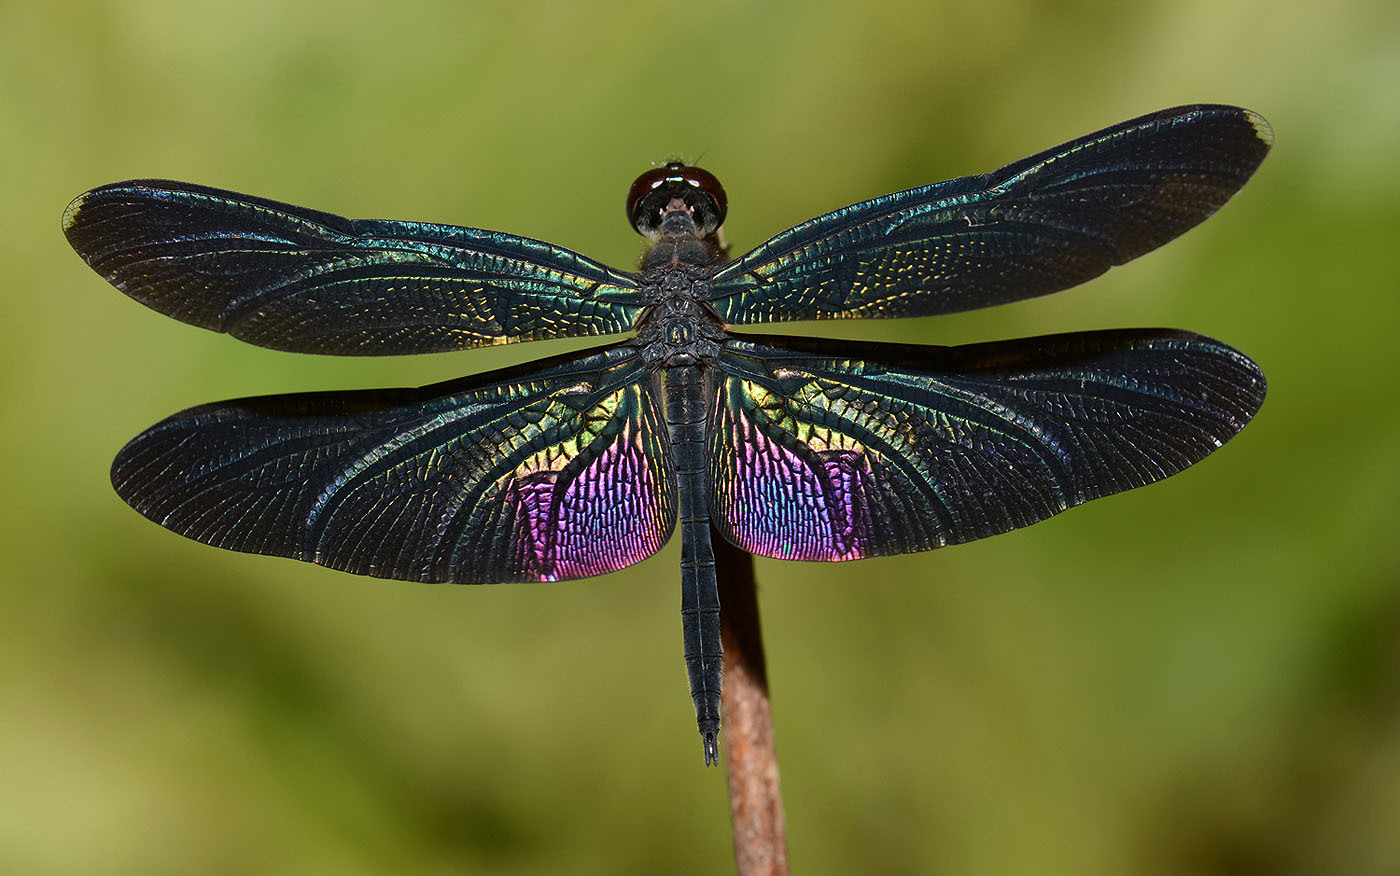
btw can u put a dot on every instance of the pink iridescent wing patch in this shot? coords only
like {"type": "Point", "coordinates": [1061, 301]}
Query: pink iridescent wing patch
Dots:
{"type": "Point", "coordinates": [784, 487]}
{"type": "Point", "coordinates": [592, 505]}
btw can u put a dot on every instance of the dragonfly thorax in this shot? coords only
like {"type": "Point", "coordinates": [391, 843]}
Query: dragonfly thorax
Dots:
{"type": "Point", "coordinates": [680, 329]}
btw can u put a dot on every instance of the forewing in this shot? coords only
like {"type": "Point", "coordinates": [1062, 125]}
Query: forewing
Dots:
{"type": "Point", "coordinates": [888, 449]}
{"type": "Point", "coordinates": [290, 278]}
{"type": "Point", "coordinates": [1039, 225]}
{"type": "Point", "coordinates": [514, 476]}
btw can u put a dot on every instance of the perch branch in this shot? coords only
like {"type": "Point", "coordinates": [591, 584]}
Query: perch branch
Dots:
{"type": "Point", "coordinates": [755, 803]}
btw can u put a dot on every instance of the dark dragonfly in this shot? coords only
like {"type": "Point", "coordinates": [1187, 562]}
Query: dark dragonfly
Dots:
{"type": "Point", "coordinates": [794, 448]}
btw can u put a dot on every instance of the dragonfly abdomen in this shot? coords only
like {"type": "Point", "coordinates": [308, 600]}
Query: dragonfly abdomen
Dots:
{"type": "Point", "coordinates": [685, 389]}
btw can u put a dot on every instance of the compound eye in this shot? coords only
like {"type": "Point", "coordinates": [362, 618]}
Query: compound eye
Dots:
{"type": "Point", "coordinates": [654, 191]}
{"type": "Point", "coordinates": [705, 183]}
{"type": "Point", "coordinates": [645, 185]}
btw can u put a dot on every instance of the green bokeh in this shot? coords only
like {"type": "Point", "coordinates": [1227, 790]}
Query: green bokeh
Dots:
{"type": "Point", "coordinates": [1201, 677]}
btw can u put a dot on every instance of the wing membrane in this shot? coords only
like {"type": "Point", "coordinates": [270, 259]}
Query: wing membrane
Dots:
{"type": "Point", "coordinates": [1042, 224]}
{"type": "Point", "coordinates": [295, 279]}
{"type": "Point", "coordinates": [899, 449]}
{"type": "Point", "coordinates": [522, 475]}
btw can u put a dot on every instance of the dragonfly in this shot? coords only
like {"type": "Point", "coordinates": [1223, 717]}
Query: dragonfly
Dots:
{"type": "Point", "coordinates": [795, 448]}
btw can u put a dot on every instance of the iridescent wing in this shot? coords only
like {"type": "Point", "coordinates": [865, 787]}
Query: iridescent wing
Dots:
{"type": "Point", "coordinates": [887, 449]}
{"type": "Point", "coordinates": [559, 471]}
{"type": "Point", "coordinates": [1039, 225]}
{"type": "Point", "coordinates": [295, 279]}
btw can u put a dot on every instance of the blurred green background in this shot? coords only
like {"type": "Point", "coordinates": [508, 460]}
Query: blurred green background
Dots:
{"type": "Point", "coordinates": [1201, 677]}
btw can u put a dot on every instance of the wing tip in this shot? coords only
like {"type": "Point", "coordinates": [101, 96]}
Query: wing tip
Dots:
{"type": "Point", "coordinates": [1217, 113]}
{"type": "Point", "coordinates": [72, 212]}
{"type": "Point", "coordinates": [1259, 388]}
{"type": "Point", "coordinates": [1262, 129]}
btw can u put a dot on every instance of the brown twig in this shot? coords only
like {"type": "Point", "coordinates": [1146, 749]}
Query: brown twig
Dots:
{"type": "Point", "coordinates": [755, 803]}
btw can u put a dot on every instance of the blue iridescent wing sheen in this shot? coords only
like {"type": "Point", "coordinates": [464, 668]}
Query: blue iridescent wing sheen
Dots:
{"type": "Point", "coordinates": [290, 278]}
{"type": "Point", "coordinates": [559, 470]}
{"type": "Point", "coordinates": [820, 451]}
{"type": "Point", "coordinates": [1042, 224]}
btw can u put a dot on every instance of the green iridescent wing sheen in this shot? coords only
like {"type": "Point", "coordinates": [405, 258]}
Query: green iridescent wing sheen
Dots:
{"type": "Point", "coordinates": [290, 278]}
{"type": "Point", "coordinates": [559, 470]}
{"type": "Point", "coordinates": [1042, 224]}
{"type": "Point", "coordinates": [824, 451]}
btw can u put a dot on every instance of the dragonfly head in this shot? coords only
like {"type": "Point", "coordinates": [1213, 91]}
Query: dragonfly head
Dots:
{"type": "Point", "coordinates": [676, 189]}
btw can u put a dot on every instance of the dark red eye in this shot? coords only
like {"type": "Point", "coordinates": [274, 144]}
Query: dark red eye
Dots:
{"type": "Point", "coordinates": [697, 188]}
